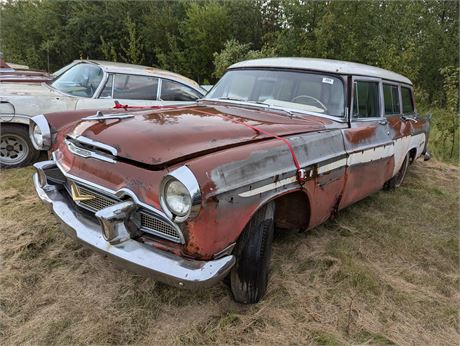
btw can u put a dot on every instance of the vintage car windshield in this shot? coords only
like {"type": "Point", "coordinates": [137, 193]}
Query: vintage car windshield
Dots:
{"type": "Point", "coordinates": [80, 80]}
{"type": "Point", "coordinates": [311, 92]}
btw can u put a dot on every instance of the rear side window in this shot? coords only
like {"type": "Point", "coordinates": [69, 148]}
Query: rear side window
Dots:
{"type": "Point", "coordinates": [133, 87]}
{"type": "Point", "coordinates": [408, 105]}
{"type": "Point", "coordinates": [173, 91]}
{"type": "Point", "coordinates": [391, 99]}
{"type": "Point", "coordinates": [366, 102]}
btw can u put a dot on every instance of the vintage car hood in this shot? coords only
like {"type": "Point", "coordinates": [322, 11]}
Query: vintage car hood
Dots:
{"type": "Point", "coordinates": [162, 137]}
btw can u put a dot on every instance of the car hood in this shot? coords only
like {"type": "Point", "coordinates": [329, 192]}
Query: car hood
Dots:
{"type": "Point", "coordinates": [162, 137]}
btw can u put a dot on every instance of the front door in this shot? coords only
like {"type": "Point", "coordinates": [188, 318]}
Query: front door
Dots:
{"type": "Point", "coordinates": [368, 143]}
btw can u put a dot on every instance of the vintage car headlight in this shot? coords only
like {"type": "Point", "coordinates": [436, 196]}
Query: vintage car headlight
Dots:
{"type": "Point", "coordinates": [40, 133]}
{"type": "Point", "coordinates": [180, 195]}
{"type": "Point", "coordinates": [177, 198]}
{"type": "Point", "coordinates": [37, 136]}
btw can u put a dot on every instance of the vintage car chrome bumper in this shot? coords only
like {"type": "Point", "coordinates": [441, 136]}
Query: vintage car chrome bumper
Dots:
{"type": "Point", "coordinates": [133, 255]}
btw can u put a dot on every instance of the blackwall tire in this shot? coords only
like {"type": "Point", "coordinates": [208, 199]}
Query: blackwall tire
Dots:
{"type": "Point", "coordinates": [16, 149]}
{"type": "Point", "coordinates": [249, 276]}
{"type": "Point", "coordinates": [398, 179]}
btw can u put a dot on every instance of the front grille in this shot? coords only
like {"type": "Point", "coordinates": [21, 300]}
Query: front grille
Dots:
{"type": "Point", "coordinates": [149, 223]}
{"type": "Point", "coordinates": [99, 202]}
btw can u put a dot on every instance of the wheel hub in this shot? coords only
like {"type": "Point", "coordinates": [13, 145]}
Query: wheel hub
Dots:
{"type": "Point", "coordinates": [13, 149]}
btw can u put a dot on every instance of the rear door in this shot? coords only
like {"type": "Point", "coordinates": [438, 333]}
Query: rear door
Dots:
{"type": "Point", "coordinates": [133, 90]}
{"type": "Point", "coordinates": [368, 142]}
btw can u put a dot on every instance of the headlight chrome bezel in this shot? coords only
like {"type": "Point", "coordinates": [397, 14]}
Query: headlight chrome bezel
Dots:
{"type": "Point", "coordinates": [185, 176]}
{"type": "Point", "coordinates": [42, 124]}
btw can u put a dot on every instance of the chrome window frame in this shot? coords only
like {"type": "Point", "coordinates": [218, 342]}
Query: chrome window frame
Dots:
{"type": "Point", "coordinates": [114, 74]}
{"type": "Point", "coordinates": [96, 92]}
{"type": "Point", "coordinates": [412, 98]}
{"type": "Point", "coordinates": [381, 106]}
{"type": "Point", "coordinates": [398, 85]}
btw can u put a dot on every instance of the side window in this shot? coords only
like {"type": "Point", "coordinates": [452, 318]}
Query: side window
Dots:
{"type": "Point", "coordinates": [366, 99]}
{"type": "Point", "coordinates": [391, 99]}
{"type": "Point", "coordinates": [134, 87]}
{"type": "Point", "coordinates": [173, 91]}
{"type": "Point", "coordinates": [406, 96]}
{"type": "Point", "coordinates": [106, 93]}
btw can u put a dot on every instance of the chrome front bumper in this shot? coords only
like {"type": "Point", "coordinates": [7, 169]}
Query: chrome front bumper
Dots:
{"type": "Point", "coordinates": [133, 255]}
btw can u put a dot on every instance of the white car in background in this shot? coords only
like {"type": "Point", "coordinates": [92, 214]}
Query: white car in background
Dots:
{"type": "Point", "coordinates": [86, 84]}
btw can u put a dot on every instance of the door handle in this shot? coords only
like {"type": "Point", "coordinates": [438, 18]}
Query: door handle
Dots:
{"type": "Point", "coordinates": [383, 122]}
{"type": "Point", "coordinates": [408, 119]}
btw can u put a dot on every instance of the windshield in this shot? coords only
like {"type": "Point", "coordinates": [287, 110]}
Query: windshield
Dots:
{"type": "Point", "coordinates": [80, 80]}
{"type": "Point", "coordinates": [309, 92]}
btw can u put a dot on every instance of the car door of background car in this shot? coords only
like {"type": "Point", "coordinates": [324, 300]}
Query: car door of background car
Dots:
{"type": "Point", "coordinates": [368, 142]}
{"type": "Point", "coordinates": [134, 90]}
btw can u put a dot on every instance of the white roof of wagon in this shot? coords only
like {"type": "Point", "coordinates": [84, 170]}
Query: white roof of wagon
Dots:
{"type": "Point", "coordinates": [325, 65]}
{"type": "Point", "coordinates": [118, 67]}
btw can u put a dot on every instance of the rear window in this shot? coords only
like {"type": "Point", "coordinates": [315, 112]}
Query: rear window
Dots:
{"type": "Point", "coordinates": [172, 91]}
{"type": "Point", "coordinates": [408, 105]}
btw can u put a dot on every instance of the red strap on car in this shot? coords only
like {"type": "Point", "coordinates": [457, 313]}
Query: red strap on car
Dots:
{"type": "Point", "coordinates": [118, 105]}
{"type": "Point", "coordinates": [301, 176]}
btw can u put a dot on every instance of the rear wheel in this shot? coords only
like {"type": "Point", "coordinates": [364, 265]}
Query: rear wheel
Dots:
{"type": "Point", "coordinates": [16, 149]}
{"type": "Point", "coordinates": [398, 179]}
{"type": "Point", "coordinates": [249, 276]}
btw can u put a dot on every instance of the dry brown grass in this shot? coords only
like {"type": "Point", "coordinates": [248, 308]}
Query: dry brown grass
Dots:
{"type": "Point", "coordinates": [385, 271]}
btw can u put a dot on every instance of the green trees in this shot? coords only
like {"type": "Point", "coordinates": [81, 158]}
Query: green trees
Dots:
{"type": "Point", "coordinates": [201, 38]}
{"type": "Point", "coordinates": [416, 39]}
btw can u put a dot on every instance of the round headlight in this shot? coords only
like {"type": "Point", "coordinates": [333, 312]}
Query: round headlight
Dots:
{"type": "Point", "coordinates": [177, 198]}
{"type": "Point", "coordinates": [37, 136]}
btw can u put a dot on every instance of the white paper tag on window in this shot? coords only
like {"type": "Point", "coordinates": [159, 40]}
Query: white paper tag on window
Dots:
{"type": "Point", "coordinates": [328, 80]}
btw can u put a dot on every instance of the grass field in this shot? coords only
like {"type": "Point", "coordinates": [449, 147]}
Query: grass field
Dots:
{"type": "Point", "coordinates": [386, 271]}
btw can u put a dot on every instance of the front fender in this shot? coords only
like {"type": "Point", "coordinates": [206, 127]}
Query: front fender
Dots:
{"type": "Point", "coordinates": [236, 182]}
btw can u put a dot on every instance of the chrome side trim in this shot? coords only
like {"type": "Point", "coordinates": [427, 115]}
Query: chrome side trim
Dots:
{"type": "Point", "coordinates": [89, 141]}
{"type": "Point", "coordinates": [42, 123]}
{"type": "Point", "coordinates": [86, 153]}
{"type": "Point", "coordinates": [133, 255]}
{"type": "Point", "coordinates": [120, 193]}
{"type": "Point", "coordinates": [186, 177]}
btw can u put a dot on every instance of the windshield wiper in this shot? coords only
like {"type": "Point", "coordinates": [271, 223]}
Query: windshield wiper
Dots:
{"type": "Point", "coordinates": [291, 114]}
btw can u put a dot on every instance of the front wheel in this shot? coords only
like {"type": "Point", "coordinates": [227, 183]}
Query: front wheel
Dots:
{"type": "Point", "coordinates": [249, 276]}
{"type": "Point", "coordinates": [16, 149]}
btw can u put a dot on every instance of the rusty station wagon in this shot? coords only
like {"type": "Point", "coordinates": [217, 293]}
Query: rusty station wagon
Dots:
{"type": "Point", "coordinates": [191, 195]}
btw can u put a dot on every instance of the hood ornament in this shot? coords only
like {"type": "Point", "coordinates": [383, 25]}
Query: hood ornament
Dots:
{"type": "Point", "coordinates": [101, 116]}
